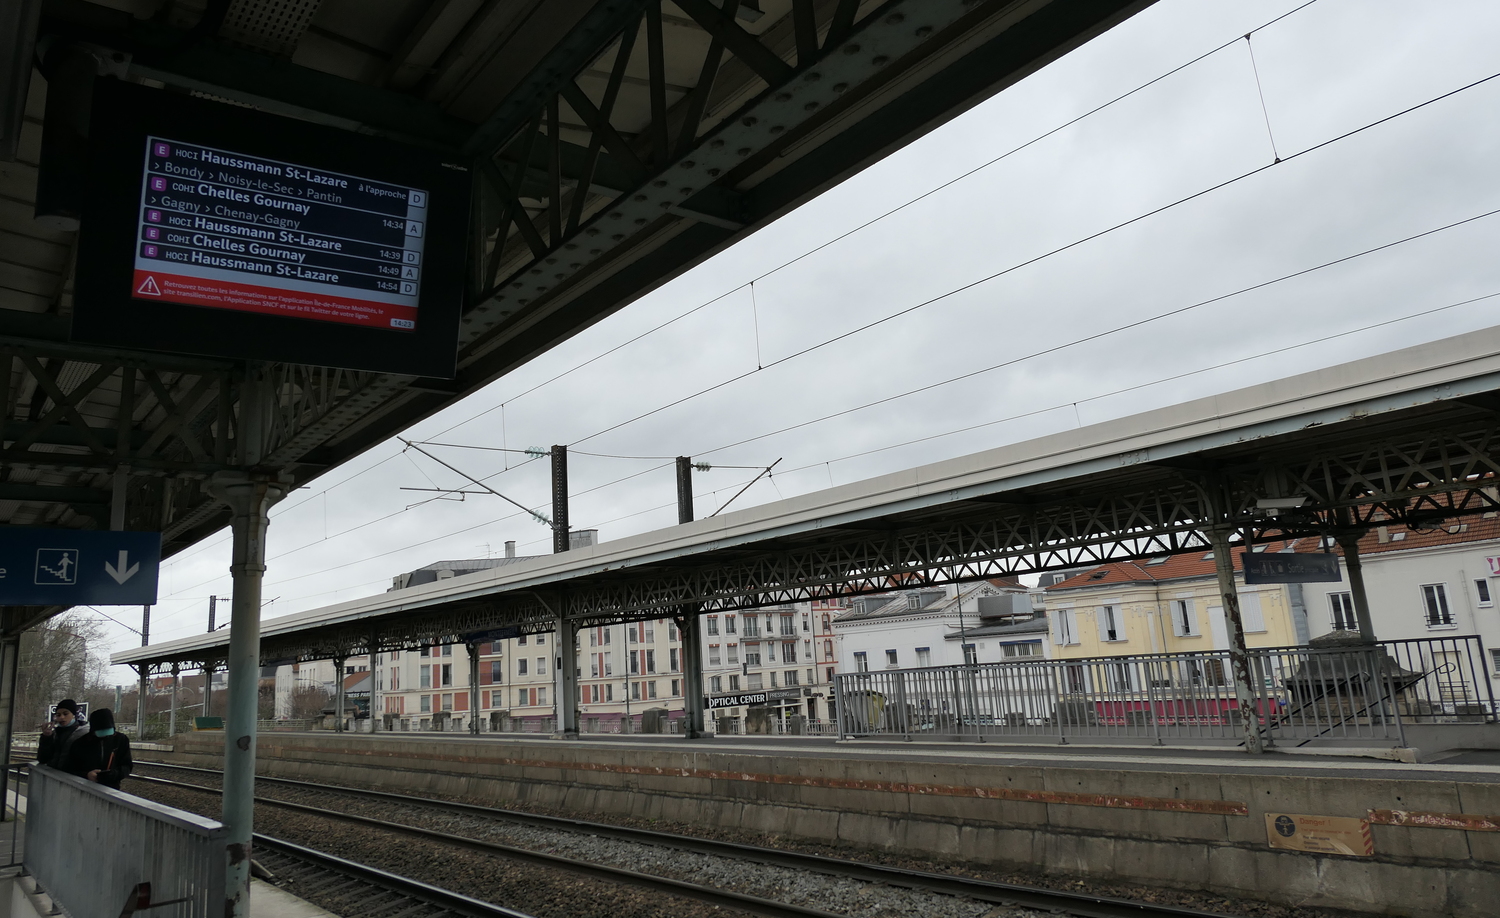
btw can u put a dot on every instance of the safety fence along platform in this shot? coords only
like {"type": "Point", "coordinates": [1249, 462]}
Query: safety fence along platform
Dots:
{"type": "Point", "coordinates": [93, 850]}
{"type": "Point", "coordinates": [1352, 692]}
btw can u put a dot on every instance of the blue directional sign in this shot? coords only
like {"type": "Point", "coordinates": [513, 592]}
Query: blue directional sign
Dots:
{"type": "Point", "coordinates": [46, 567]}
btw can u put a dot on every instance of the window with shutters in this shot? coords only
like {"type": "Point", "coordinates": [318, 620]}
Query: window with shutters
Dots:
{"type": "Point", "coordinates": [1250, 613]}
{"type": "Point", "coordinates": [1110, 626]}
{"type": "Point", "coordinates": [425, 677]}
{"type": "Point", "coordinates": [520, 666]}
{"type": "Point", "coordinates": [752, 654]}
{"type": "Point", "coordinates": [1482, 591]}
{"type": "Point", "coordinates": [651, 661]}
{"type": "Point", "coordinates": [1064, 627]}
{"type": "Point", "coordinates": [729, 624]}
{"type": "Point", "coordinates": [789, 651]}
{"type": "Point", "coordinates": [447, 674]}
{"type": "Point", "coordinates": [541, 666]}
{"type": "Point", "coordinates": [713, 624]}
{"type": "Point", "coordinates": [924, 656]}
{"type": "Point", "coordinates": [713, 654]}
{"type": "Point", "coordinates": [734, 653]}
{"type": "Point", "coordinates": [673, 659]}
{"type": "Point", "coordinates": [1435, 604]}
{"type": "Point", "coordinates": [1184, 618]}
{"type": "Point", "coordinates": [716, 684]}
{"type": "Point", "coordinates": [861, 662]}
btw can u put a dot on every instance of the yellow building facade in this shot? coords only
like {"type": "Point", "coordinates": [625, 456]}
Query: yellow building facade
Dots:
{"type": "Point", "coordinates": [1169, 605]}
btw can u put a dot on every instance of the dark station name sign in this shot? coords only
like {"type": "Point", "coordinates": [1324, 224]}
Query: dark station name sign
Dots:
{"type": "Point", "coordinates": [1290, 567]}
{"type": "Point", "coordinates": [231, 231]}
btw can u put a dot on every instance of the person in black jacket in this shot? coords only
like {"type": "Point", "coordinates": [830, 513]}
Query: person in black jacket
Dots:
{"type": "Point", "coordinates": [102, 755]}
{"type": "Point", "coordinates": [59, 736]}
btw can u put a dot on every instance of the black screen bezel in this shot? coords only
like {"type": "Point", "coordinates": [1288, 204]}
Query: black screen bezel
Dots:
{"type": "Point", "coordinates": [104, 312]}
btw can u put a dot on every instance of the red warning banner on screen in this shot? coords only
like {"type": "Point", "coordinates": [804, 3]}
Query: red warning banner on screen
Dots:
{"type": "Point", "coordinates": [198, 291]}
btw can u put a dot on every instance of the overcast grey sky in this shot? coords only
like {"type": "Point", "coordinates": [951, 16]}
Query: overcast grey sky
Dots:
{"type": "Point", "coordinates": [1327, 69]}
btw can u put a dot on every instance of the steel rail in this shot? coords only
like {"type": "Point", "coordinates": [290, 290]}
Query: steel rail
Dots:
{"type": "Point", "coordinates": [718, 897]}
{"type": "Point", "coordinates": [436, 896]}
{"type": "Point", "coordinates": [1005, 894]}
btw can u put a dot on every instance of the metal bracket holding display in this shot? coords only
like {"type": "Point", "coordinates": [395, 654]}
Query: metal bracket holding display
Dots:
{"type": "Point", "coordinates": [218, 231]}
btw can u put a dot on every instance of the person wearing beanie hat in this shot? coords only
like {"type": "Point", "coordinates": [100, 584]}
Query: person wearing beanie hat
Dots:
{"type": "Point", "coordinates": [103, 754]}
{"type": "Point", "coordinates": [60, 735]}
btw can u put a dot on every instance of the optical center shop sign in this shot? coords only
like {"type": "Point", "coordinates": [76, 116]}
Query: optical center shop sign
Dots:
{"type": "Point", "coordinates": [750, 698]}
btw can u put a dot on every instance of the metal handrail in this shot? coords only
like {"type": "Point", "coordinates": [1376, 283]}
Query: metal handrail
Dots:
{"type": "Point", "coordinates": [1360, 691]}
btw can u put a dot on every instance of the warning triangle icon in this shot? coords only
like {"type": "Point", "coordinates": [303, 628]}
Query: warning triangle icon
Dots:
{"type": "Point", "coordinates": [148, 287]}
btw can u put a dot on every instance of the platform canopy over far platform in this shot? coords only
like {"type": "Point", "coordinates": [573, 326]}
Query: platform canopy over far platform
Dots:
{"type": "Point", "coordinates": [1413, 435]}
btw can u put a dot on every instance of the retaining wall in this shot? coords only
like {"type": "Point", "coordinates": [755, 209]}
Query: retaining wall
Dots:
{"type": "Point", "coordinates": [1436, 842]}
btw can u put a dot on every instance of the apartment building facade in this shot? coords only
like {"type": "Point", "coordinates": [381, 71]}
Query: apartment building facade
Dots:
{"type": "Point", "coordinates": [985, 622]}
{"type": "Point", "coordinates": [779, 658]}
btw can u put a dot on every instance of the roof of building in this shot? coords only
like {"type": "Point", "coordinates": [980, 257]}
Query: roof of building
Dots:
{"type": "Point", "coordinates": [1031, 626]}
{"type": "Point", "coordinates": [895, 605]}
{"type": "Point", "coordinates": [1200, 565]}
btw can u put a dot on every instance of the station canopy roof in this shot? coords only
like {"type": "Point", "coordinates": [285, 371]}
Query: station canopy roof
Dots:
{"type": "Point", "coordinates": [1409, 437]}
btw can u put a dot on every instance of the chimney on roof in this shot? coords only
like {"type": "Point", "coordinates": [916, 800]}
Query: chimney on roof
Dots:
{"type": "Point", "coordinates": [510, 549]}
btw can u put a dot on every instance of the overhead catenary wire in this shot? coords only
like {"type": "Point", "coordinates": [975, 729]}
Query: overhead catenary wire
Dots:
{"type": "Point", "coordinates": [1128, 326]}
{"type": "Point", "coordinates": [1218, 186]}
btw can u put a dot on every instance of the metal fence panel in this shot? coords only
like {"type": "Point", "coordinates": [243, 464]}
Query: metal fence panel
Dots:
{"type": "Point", "coordinates": [88, 846]}
{"type": "Point", "coordinates": [1352, 692]}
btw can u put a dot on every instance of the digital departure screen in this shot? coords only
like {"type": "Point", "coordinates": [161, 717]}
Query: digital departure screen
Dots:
{"type": "Point", "coordinates": [222, 231]}
{"type": "Point", "coordinates": [220, 228]}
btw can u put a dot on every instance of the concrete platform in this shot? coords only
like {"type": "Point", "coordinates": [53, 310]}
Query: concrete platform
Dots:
{"type": "Point", "coordinates": [267, 901]}
{"type": "Point", "coordinates": [1191, 819]}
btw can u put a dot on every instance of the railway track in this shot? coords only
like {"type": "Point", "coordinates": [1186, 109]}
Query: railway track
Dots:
{"type": "Point", "coordinates": [349, 888]}
{"type": "Point", "coordinates": [1082, 905]}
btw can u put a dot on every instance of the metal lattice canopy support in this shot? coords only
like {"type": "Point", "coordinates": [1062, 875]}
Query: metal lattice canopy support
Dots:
{"type": "Point", "coordinates": [1357, 453]}
{"type": "Point", "coordinates": [616, 144]}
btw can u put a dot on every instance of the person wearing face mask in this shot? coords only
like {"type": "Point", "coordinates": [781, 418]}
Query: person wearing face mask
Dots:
{"type": "Point", "coordinates": [59, 736]}
{"type": "Point", "coordinates": [102, 755]}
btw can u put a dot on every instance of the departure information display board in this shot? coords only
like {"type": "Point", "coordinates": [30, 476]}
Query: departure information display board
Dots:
{"type": "Point", "coordinates": [232, 231]}
{"type": "Point", "coordinates": [226, 232]}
